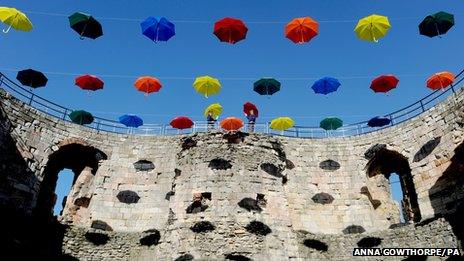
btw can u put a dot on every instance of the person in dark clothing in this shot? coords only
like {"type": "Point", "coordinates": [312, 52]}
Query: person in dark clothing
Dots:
{"type": "Point", "coordinates": [211, 120]}
{"type": "Point", "coordinates": [251, 121]}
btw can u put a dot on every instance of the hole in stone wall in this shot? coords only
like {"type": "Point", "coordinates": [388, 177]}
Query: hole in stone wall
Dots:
{"type": "Point", "coordinates": [202, 227]}
{"type": "Point", "coordinates": [188, 143]}
{"type": "Point", "coordinates": [235, 137]}
{"type": "Point", "coordinates": [102, 225]}
{"type": "Point", "coordinates": [82, 202]}
{"type": "Point", "coordinates": [271, 169]}
{"type": "Point", "coordinates": [97, 238]}
{"type": "Point", "coordinates": [261, 200]}
{"type": "Point", "coordinates": [258, 228]}
{"type": "Point", "coordinates": [426, 149]}
{"type": "Point", "coordinates": [177, 173]}
{"type": "Point", "coordinates": [185, 257]}
{"type": "Point", "coordinates": [375, 202]}
{"type": "Point", "coordinates": [316, 244]}
{"type": "Point", "coordinates": [284, 179]}
{"type": "Point", "coordinates": [289, 164]}
{"type": "Point", "coordinates": [249, 204]}
{"type": "Point", "coordinates": [63, 188]}
{"type": "Point", "coordinates": [353, 229]}
{"type": "Point", "coordinates": [329, 165]}
{"type": "Point", "coordinates": [144, 165]}
{"type": "Point", "coordinates": [206, 195]}
{"type": "Point", "coordinates": [169, 195]}
{"type": "Point", "coordinates": [128, 197]}
{"type": "Point", "coordinates": [150, 237]}
{"type": "Point", "coordinates": [370, 153]}
{"type": "Point", "coordinates": [199, 203]}
{"type": "Point", "coordinates": [322, 198]}
{"type": "Point", "coordinates": [220, 164]}
{"type": "Point", "coordinates": [236, 257]}
{"type": "Point", "coordinates": [397, 195]}
{"type": "Point", "coordinates": [369, 242]}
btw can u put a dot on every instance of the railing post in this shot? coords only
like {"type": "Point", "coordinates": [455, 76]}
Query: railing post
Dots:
{"type": "Point", "coordinates": [452, 88]}
{"type": "Point", "coordinates": [1, 79]}
{"type": "Point", "coordinates": [64, 114]}
{"type": "Point", "coordinates": [98, 125]}
{"type": "Point", "coordinates": [30, 100]}
{"type": "Point", "coordinates": [297, 134]}
{"type": "Point", "coordinates": [422, 105]}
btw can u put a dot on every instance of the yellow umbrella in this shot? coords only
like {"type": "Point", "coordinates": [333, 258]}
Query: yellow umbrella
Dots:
{"type": "Point", "coordinates": [372, 28]}
{"type": "Point", "coordinates": [207, 85]}
{"type": "Point", "coordinates": [14, 18]}
{"type": "Point", "coordinates": [215, 109]}
{"type": "Point", "coordinates": [282, 123]}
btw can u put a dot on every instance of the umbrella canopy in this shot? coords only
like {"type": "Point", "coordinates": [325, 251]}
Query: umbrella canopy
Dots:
{"type": "Point", "coordinates": [207, 85]}
{"type": "Point", "coordinates": [15, 19]}
{"type": "Point", "coordinates": [282, 123]}
{"type": "Point", "coordinates": [81, 117]}
{"type": "Point", "coordinates": [158, 29]}
{"type": "Point", "coordinates": [89, 82]}
{"type": "Point", "coordinates": [231, 124]}
{"type": "Point", "coordinates": [131, 120]}
{"type": "Point", "coordinates": [32, 78]}
{"type": "Point", "coordinates": [331, 123]}
{"type": "Point", "coordinates": [230, 30]}
{"type": "Point", "coordinates": [378, 122]}
{"type": "Point", "coordinates": [372, 28]}
{"type": "Point", "coordinates": [215, 109]}
{"type": "Point", "coordinates": [85, 25]}
{"type": "Point", "coordinates": [326, 85]}
{"type": "Point", "coordinates": [436, 24]}
{"type": "Point", "coordinates": [147, 84]}
{"type": "Point", "coordinates": [266, 86]}
{"type": "Point", "coordinates": [301, 30]}
{"type": "Point", "coordinates": [384, 83]}
{"type": "Point", "coordinates": [181, 123]}
{"type": "Point", "coordinates": [248, 107]}
{"type": "Point", "coordinates": [440, 80]}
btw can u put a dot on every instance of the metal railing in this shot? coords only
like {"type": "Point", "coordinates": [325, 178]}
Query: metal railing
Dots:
{"type": "Point", "coordinates": [107, 125]}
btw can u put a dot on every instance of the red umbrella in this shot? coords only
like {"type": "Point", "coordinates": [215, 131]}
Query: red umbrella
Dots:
{"type": "Point", "coordinates": [181, 123]}
{"type": "Point", "coordinates": [440, 80]}
{"type": "Point", "coordinates": [89, 82]}
{"type": "Point", "coordinates": [384, 83]}
{"type": "Point", "coordinates": [231, 124]}
{"type": "Point", "coordinates": [230, 30]}
{"type": "Point", "coordinates": [247, 107]}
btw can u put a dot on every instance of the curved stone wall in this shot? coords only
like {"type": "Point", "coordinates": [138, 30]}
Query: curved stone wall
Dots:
{"type": "Point", "coordinates": [208, 188]}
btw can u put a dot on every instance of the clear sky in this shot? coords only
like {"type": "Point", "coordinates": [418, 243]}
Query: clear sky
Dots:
{"type": "Point", "coordinates": [123, 54]}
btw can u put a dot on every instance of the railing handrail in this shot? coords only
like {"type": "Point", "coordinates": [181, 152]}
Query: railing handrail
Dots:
{"type": "Point", "coordinates": [103, 124]}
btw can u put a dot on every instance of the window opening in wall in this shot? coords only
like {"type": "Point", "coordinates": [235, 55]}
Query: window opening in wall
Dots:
{"type": "Point", "coordinates": [397, 194]}
{"type": "Point", "coordinates": [63, 187]}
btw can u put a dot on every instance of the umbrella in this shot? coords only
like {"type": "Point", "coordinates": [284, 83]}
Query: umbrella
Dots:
{"type": "Point", "coordinates": [158, 29]}
{"type": "Point", "coordinates": [207, 85]}
{"type": "Point", "coordinates": [147, 84]}
{"type": "Point", "coordinates": [326, 85]}
{"type": "Point", "coordinates": [215, 109]}
{"type": "Point", "coordinates": [282, 123]}
{"type": "Point", "coordinates": [15, 19]}
{"type": "Point", "coordinates": [378, 122]}
{"type": "Point", "coordinates": [372, 28]}
{"type": "Point", "coordinates": [384, 83]}
{"type": "Point", "coordinates": [440, 80]}
{"type": "Point", "coordinates": [230, 30]}
{"type": "Point", "coordinates": [331, 123]}
{"type": "Point", "coordinates": [247, 107]}
{"type": "Point", "coordinates": [89, 82]}
{"type": "Point", "coordinates": [85, 25]}
{"type": "Point", "coordinates": [301, 30]}
{"type": "Point", "coordinates": [436, 24]}
{"type": "Point", "coordinates": [266, 86]}
{"type": "Point", "coordinates": [81, 117]}
{"type": "Point", "coordinates": [181, 123]}
{"type": "Point", "coordinates": [31, 78]}
{"type": "Point", "coordinates": [231, 124]}
{"type": "Point", "coordinates": [131, 120]}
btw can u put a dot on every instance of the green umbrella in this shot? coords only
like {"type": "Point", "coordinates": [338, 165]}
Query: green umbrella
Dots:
{"type": "Point", "coordinates": [436, 24]}
{"type": "Point", "coordinates": [85, 25]}
{"type": "Point", "coordinates": [81, 117]}
{"type": "Point", "coordinates": [331, 123]}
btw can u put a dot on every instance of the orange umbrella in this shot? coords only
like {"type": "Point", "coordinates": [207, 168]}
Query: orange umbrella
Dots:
{"type": "Point", "coordinates": [231, 124]}
{"type": "Point", "coordinates": [301, 30]}
{"type": "Point", "coordinates": [147, 84]}
{"type": "Point", "coordinates": [440, 80]}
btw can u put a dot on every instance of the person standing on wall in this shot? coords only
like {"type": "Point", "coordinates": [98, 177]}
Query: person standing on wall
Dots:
{"type": "Point", "coordinates": [211, 121]}
{"type": "Point", "coordinates": [251, 120]}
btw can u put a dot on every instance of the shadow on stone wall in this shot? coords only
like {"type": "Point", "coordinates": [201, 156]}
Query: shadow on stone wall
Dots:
{"type": "Point", "coordinates": [447, 194]}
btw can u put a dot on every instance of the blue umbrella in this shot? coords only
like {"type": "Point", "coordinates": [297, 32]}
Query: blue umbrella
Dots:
{"type": "Point", "coordinates": [131, 120]}
{"type": "Point", "coordinates": [326, 85]}
{"type": "Point", "coordinates": [378, 122]}
{"type": "Point", "coordinates": [158, 29]}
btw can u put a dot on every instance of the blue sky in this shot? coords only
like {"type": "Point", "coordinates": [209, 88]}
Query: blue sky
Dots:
{"type": "Point", "coordinates": [194, 51]}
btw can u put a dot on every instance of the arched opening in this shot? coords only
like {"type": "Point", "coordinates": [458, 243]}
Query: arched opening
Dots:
{"type": "Point", "coordinates": [83, 161]}
{"type": "Point", "coordinates": [386, 162]}
{"type": "Point", "coordinates": [397, 194]}
{"type": "Point", "coordinates": [62, 190]}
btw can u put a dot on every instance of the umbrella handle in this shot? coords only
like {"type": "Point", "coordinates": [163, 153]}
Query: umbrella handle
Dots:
{"type": "Point", "coordinates": [7, 30]}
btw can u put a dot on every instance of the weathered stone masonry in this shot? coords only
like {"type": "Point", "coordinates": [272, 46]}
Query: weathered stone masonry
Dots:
{"type": "Point", "coordinates": [266, 198]}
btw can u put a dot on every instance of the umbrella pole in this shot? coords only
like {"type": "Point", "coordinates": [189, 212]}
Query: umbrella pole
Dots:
{"type": "Point", "coordinates": [7, 30]}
